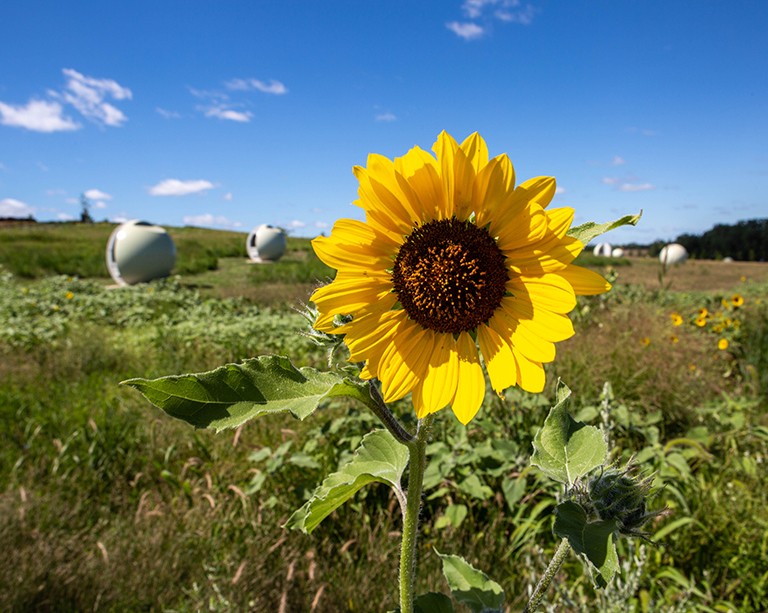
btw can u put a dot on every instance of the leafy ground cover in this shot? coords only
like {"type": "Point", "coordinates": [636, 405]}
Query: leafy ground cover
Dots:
{"type": "Point", "coordinates": [109, 505]}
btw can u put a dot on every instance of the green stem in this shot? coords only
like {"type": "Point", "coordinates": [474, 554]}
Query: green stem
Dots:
{"type": "Point", "coordinates": [417, 464]}
{"type": "Point", "coordinates": [376, 403]}
{"type": "Point", "coordinates": [554, 565]}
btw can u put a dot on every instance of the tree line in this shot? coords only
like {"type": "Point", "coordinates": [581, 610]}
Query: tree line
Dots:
{"type": "Point", "coordinates": [745, 241]}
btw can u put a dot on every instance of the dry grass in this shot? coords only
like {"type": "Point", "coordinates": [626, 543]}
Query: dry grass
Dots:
{"type": "Point", "coordinates": [694, 275]}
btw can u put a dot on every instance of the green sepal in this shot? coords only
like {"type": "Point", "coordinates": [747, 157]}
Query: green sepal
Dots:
{"type": "Point", "coordinates": [380, 458]}
{"type": "Point", "coordinates": [566, 449]}
{"type": "Point", "coordinates": [471, 587]}
{"type": "Point", "coordinates": [590, 230]}
{"type": "Point", "coordinates": [593, 540]}
{"type": "Point", "coordinates": [233, 394]}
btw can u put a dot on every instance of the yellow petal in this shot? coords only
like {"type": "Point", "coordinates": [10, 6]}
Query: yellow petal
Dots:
{"type": "Point", "coordinates": [550, 326]}
{"type": "Point", "coordinates": [560, 220]}
{"type": "Point", "coordinates": [471, 385]}
{"type": "Point", "coordinates": [476, 151]}
{"type": "Point", "coordinates": [585, 282]}
{"type": "Point", "coordinates": [438, 387]}
{"type": "Point", "coordinates": [347, 296]}
{"type": "Point", "coordinates": [405, 362]}
{"type": "Point", "coordinates": [499, 360]}
{"type": "Point", "coordinates": [342, 256]}
{"type": "Point", "coordinates": [539, 189]}
{"type": "Point", "coordinates": [550, 292]}
{"type": "Point", "coordinates": [530, 374]}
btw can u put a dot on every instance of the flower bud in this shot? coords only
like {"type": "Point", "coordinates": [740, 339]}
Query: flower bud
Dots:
{"type": "Point", "coordinates": [617, 495]}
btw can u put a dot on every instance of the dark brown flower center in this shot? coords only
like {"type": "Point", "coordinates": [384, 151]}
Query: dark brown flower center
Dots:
{"type": "Point", "coordinates": [450, 275]}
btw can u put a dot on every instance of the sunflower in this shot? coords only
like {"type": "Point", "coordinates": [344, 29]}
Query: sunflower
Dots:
{"type": "Point", "coordinates": [454, 270]}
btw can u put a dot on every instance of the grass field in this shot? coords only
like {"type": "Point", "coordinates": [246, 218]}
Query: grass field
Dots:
{"type": "Point", "coordinates": [109, 505]}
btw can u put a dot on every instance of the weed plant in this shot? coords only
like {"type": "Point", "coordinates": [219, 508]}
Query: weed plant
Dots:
{"type": "Point", "coordinates": [107, 508]}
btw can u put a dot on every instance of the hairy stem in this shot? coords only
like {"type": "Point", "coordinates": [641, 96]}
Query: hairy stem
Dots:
{"type": "Point", "coordinates": [417, 464]}
{"type": "Point", "coordinates": [554, 565]}
{"type": "Point", "coordinates": [381, 410]}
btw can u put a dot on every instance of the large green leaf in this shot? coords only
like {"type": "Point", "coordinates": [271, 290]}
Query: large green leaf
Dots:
{"type": "Point", "coordinates": [470, 586]}
{"type": "Point", "coordinates": [564, 448]}
{"type": "Point", "coordinates": [380, 458]}
{"type": "Point", "coordinates": [590, 230]}
{"type": "Point", "coordinates": [236, 393]}
{"type": "Point", "coordinates": [593, 540]}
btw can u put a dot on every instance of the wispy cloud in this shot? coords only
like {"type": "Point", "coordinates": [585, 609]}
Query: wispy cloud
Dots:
{"type": "Point", "coordinates": [209, 220]}
{"type": "Point", "coordinates": [168, 114]}
{"type": "Point", "coordinates": [229, 114]}
{"type": "Point", "coordinates": [176, 187]}
{"type": "Point", "coordinates": [636, 187]}
{"type": "Point", "coordinates": [38, 116]}
{"type": "Point", "coordinates": [296, 224]}
{"type": "Point", "coordinates": [87, 95]}
{"type": "Point", "coordinates": [482, 13]}
{"type": "Point", "coordinates": [618, 160]}
{"type": "Point", "coordinates": [10, 207]}
{"type": "Point", "coordinates": [385, 117]}
{"type": "Point", "coordinates": [273, 87]}
{"type": "Point", "coordinates": [465, 30]}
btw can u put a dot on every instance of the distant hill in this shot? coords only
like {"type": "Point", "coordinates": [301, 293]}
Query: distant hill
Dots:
{"type": "Point", "coordinates": [34, 250]}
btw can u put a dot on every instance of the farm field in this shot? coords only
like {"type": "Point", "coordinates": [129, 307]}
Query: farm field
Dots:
{"type": "Point", "coordinates": [110, 505]}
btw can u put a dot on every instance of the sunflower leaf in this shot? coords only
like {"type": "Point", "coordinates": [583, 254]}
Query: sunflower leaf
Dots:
{"type": "Point", "coordinates": [566, 449]}
{"type": "Point", "coordinates": [470, 586]}
{"type": "Point", "coordinates": [590, 230]}
{"type": "Point", "coordinates": [380, 458]}
{"type": "Point", "coordinates": [591, 539]}
{"type": "Point", "coordinates": [236, 393]}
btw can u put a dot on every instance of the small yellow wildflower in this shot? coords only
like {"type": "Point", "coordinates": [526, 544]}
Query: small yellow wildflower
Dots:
{"type": "Point", "coordinates": [722, 344]}
{"type": "Point", "coordinates": [673, 339]}
{"type": "Point", "coordinates": [742, 278]}
{"type": "Point", "coordinates": [692, 367]}
{"type": "Point", "coordinates": [700, 321]}
{"type": "Point", "coordinates": [70, 295]}
{"type": "Point", "coordinates": [737, 300]}
{"type": "Point", "coordinates": [677, 319]}
{"type": "Point", "coordinates": [645, 341]}
{"type": "Point", "coordinates": [703, 312]}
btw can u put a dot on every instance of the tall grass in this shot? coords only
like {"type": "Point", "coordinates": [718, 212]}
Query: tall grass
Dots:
{"type": "Point", "coordinates": [109, 505]}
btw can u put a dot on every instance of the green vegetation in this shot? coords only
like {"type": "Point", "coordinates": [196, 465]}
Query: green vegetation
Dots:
{"type": "Point", "coordinates": [109, 505]}
{"type": "Point", "coordinates": [32, 251]}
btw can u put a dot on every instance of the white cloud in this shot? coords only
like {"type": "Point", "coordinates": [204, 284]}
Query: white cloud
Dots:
{"type": "Point", "coordinates": [175, 187]}
{"type": "Point", "coordinates": [88, 96]}
{"type": "Point", "coordinates": [100, 205]}
{"type": "Point", "coordinates": [611, 180]}
{"type": "Point", "coordinates": [467, 31]}
{"type": "Point", "coordinates": [64, 217]}
{"type": "Point", "coordinates": [321, 224]}
{"type": "Point", "coordinates": [222, 112]}
{"type": "Point", "coordinates": [386, 117]}
{"type": "Point", "coordinates": [10, 207]}
{"type": "Point", "coordinates": [273, 87]}
{"type": "Point", "coordinates": [510, 11]}
{"type": "Point", "coordinates": [168, 114]}
{"type": "Point", "coordinates": [296, 224]}
{"type": "Point", "coordinates": [209, 220]}
{"type": "Point", "coordinates": [523, 15]}
{"type": "Point", "coordinates": [559, 190]}
{"type": "Point", "coordinates": [38, 116]}
{"type": "Point", "coordinates": [636, 187]}
{"type": "Point", "coordinates": [227, 196]}
{"type": "Point", "coordinates": [97, 194]}
{"type": "Point", "coordinates": [618, 160]}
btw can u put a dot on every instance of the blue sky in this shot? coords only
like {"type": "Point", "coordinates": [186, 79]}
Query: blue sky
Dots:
{"type": "Point", "coordinates": [234, 113]}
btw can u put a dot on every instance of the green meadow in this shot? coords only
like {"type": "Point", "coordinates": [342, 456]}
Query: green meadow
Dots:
{"type": "Point", "coordinates": [110, 505]}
